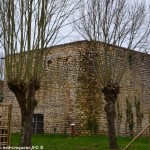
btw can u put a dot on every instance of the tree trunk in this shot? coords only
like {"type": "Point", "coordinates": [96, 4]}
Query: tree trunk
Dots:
{"type": "Point", "coordinates": [111, 92]}
{"type": "Point", "coordinates": [25, 95]}
{"type": "Point", "coordinates": [26, 129]}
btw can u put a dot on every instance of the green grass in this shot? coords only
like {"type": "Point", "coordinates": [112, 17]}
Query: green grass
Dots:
{"type": "Point", "coordinates": [61, 142]}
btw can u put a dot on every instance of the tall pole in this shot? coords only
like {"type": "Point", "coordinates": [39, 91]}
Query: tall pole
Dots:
{"type": "Point", "coordinates": [148, 126]}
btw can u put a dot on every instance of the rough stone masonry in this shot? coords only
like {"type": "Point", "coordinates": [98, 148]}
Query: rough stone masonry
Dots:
{"type": "Point", "coordinates": [70, 92]}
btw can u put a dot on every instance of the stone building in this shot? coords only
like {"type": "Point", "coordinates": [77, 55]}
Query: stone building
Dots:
{"type": "Point", "coordinates": [70, 93]}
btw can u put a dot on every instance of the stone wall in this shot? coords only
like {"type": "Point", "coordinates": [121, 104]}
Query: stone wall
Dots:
{"type": "Point", "coordinates": [71, 93]}
{"type": "Point", "coordinates": [1, 86]}
{"type": "Point", "coordinates": [135, 85]}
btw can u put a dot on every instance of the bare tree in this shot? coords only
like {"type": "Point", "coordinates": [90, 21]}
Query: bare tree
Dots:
{"type": "Point", "coordinates": [106, 23]}
{"type": "Point", "coordinates": [28, 27]}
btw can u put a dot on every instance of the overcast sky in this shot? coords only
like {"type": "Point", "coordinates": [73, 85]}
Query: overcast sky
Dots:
{"type": "Point", "coordinates": [74, 36]}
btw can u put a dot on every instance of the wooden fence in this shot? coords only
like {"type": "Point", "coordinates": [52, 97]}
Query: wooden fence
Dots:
{"type": "Point", "coordinates": [5, 123]}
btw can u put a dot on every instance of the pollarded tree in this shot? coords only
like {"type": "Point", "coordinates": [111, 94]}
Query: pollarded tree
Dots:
{"type": "Point", "coordinates": [28, 27]}
{"type": "Point", "coordinates": [106, 23]}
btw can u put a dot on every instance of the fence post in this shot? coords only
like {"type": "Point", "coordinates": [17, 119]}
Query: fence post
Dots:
{"type": "Point", "coordinates": [149, 129]}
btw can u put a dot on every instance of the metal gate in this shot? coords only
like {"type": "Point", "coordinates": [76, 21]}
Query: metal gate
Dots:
{"type": "Point", "coordinates": [38, 123]}
{"type": "Point", "coordinates": [5, 122]}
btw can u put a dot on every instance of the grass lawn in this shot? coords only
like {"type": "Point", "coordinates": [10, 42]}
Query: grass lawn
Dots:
{"type": "Point", "coordinates": [61, 142]}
